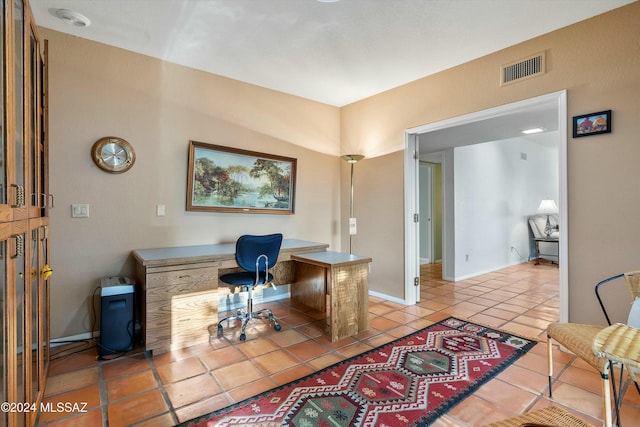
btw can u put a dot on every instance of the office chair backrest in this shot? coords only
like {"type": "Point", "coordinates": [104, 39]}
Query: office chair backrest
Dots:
{"type": "Point", "coordinates": [249, 248]}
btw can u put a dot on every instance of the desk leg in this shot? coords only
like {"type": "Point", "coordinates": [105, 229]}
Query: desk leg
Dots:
{"type": "Point", "coordinates": [309, 287]}
{"type": "Point", "coordinates": [349, 291]}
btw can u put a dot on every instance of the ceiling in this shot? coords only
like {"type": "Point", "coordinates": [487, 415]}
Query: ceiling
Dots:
{"type": "Point", "coordinates": [332, 52]}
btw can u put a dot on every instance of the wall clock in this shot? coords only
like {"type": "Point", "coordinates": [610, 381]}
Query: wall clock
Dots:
{"type": "Point", "coordinates": [113, 154]}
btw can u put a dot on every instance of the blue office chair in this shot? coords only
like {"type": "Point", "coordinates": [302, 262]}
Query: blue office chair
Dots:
{"type": "Point", "coordinates": [255, 255]}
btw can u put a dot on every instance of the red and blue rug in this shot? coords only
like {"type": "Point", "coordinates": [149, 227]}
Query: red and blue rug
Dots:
{"type": "Point", "coordinates": [409, 382]}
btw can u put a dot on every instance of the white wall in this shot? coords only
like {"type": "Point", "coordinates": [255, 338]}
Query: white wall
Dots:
{"type": "Point", "coordinates": [497, 185]}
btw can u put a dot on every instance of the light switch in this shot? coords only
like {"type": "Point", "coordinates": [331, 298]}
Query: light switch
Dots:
{"type": "Point", "coordinates": [80, 210]}
{"type": "Point", "coordinates": [160, 210]}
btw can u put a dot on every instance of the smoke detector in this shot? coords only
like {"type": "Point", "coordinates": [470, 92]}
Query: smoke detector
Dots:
{"type": "Point", "coordinates": [72, 17]}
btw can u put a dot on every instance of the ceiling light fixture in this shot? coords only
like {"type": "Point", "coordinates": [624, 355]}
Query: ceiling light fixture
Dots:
{"type": "Point", "coordinates": [534, 130]}
{"type": "Point", "coordinates": [73, 18]}
{"type": "Point", "coordinates": [328, 1]}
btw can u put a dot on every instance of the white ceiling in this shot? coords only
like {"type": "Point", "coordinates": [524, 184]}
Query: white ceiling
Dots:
{"type": "Point", "coordinates": [331, 52]}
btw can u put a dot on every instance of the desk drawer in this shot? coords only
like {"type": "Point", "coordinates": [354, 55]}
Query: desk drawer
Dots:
{"type": "Point", "coordinates": [194, 278]}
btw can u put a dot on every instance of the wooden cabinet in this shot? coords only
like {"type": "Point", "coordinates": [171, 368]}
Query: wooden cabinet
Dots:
{"type": "Point", "coordinates": [24, 236]}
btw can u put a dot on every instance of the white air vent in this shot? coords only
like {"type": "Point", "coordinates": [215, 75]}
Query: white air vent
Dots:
{"type": "Point", "coordinates": [522, 69]}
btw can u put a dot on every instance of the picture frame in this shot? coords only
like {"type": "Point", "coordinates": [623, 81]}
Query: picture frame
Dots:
{"type": "Point", "coordinates": [592, 124]}
{"type": "Point", "coordinates": [225, 179]}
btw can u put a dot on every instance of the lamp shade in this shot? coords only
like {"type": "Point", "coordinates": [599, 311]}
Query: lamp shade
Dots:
{"type": "Point", "coordinates": [547, 207]}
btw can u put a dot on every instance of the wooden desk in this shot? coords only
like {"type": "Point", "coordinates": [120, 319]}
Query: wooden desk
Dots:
{"type": "Point", "coordinates": [178, 289]}
{"type": "Point", "coordinates": [344, 278]}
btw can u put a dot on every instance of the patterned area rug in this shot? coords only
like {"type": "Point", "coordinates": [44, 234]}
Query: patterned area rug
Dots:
{"type": "Point", "coordinates": [410, 381]}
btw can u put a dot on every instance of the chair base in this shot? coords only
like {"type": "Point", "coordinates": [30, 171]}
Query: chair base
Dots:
{"type": "Point", "coordinates": [245, 317]}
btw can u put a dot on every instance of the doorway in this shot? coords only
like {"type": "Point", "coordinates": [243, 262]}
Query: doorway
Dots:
{"type": "Point", "coordinates": [430, 215]}
{"type": "Point", "coordinates": [484, 126]}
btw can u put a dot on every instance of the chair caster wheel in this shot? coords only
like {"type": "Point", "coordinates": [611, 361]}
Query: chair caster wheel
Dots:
{"type": "Point", "coordinates": [243, 337]}
{"type": "Point", "coordinates": [277, 327]}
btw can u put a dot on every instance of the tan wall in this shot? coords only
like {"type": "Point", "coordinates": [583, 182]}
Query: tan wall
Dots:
{"type": "Point", "coordinates": [97, 91]}
{"type": "Point", "coordinates": [598, 62]}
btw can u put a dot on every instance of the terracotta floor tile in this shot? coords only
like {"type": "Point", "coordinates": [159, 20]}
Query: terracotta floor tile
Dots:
{"type": "Point", "coordinates": [90, 418]}
{"type": "Point", "coordinates": [291, 374]}
{"type": "Point", "coordinates": [251, 389]}
{"type": "Point", "coordinates": [72, 380]}
{"type": "Point", "coordinates": [85, 398]}
{"type": "Point", "coordinates": [354, 349]}
{"type": "Point", "coordinates": [232, 376]}
{"type": "Point", "coordinates": [202, 407]}
{"type": "Point", "coordinates": [222, 357]}
{"type": "Point", "coordinates": [181, 369]}
{"type": "Point", "coordinates": [191, 390]}
{"type": "Point", "coordinates": [324, 361]}
{"type": "Point", "coordinates": [477, 412]}
{"type": "Point", "coordinates": [308, 350]}
{"type": "Point", "coordinates": [136, 408]}
{"type": "Point", "coordinates": [579, 399]}
{"type": "Point", "coordinates": [125, 366]}
{"type": "Point", "coordinates": [288, 338]}
{"type": "Point", "coordinates": [275, 361]}
{"type": "Point", "coordinates": [401, 317]}
{"type": "Point", "coordinates": [535, 382]}
{"type": "Point", "coordinates": [506, 396]}
{"type": "Point", "coordinates": [164, 420]}
{"type": "Point", "coordinates": [60, 365]}
{"type": "Point", "coordinates": [257, 346]}
{"type": "Point", "coordinates": [382, 323]}
{"type": "Point", "coordinates": [131, 384]}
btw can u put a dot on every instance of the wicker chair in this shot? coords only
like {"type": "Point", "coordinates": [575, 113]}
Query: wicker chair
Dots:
{"type": "Point", "coordinates": [588, 343]}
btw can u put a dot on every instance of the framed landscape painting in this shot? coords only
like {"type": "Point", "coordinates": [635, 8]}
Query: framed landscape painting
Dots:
{"type": "Point", "coordinates": [224, 179]}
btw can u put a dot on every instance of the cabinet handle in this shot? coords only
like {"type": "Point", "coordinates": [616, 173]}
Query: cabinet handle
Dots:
{"type": "Point", "coordinates": [19, 245]}
{"type": "Point", "coordinates": [46, 272]}
{"type": "Point", "coordinates": [19, 196]}
{"type": "Point", "coordinates": [48, 200]}
{"type": "Point", "coordinates": [186, 276]}
{"type": "Point", "coordinates": [45, 233]}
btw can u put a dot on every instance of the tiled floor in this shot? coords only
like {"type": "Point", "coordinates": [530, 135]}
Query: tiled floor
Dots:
{"type": "Point", "coordinates": [166, 389]}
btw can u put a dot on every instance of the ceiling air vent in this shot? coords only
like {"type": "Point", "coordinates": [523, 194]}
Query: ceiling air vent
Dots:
{"type": "Point", "coordinates": [522, 69]}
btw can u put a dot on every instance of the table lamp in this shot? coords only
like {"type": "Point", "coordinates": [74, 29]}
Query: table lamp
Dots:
{"type": "Point", "coordinates": [547, 207]}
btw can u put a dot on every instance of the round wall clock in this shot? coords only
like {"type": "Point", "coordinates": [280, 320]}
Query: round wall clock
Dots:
{"type": "Point", "coordinates": [113, 154]}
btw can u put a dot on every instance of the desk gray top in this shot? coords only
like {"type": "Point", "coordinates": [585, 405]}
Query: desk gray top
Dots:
{"type": "Point", "coordinates": [328, 259]}
{"type": "Point", "coordinates": [209, 253]}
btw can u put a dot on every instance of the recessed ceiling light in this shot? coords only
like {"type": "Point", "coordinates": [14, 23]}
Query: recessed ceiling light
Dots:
{"type": "Point", "coordinates": [73, 18]}
{"type": "Point", "coordinates": [534, 130]}
{"type": "Point", "coordinates": [328, 1]}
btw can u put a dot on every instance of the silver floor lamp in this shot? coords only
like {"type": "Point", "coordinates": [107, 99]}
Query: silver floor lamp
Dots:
{"type": "Point", "coordinates": [352, 159]}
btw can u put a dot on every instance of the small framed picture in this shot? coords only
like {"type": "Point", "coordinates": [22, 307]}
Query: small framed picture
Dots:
{"type": "Point", "coordinates": [592, 124]}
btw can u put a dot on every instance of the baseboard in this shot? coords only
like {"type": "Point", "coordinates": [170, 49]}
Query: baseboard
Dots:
{"type": "Point", "coordinates": [86, 336]}
{"type": "Point", "coordinates": [479, 273]}
{"type": "Point", "coordinates": [387, 297]}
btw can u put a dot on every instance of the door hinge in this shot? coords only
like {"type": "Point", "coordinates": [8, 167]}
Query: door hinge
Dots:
{"type": "Point", "coordinates": [416, 217]}
{"type": "Point", "coordinates": [416, 281]}
{"type": "Point", "coordinates": [416, 156]}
